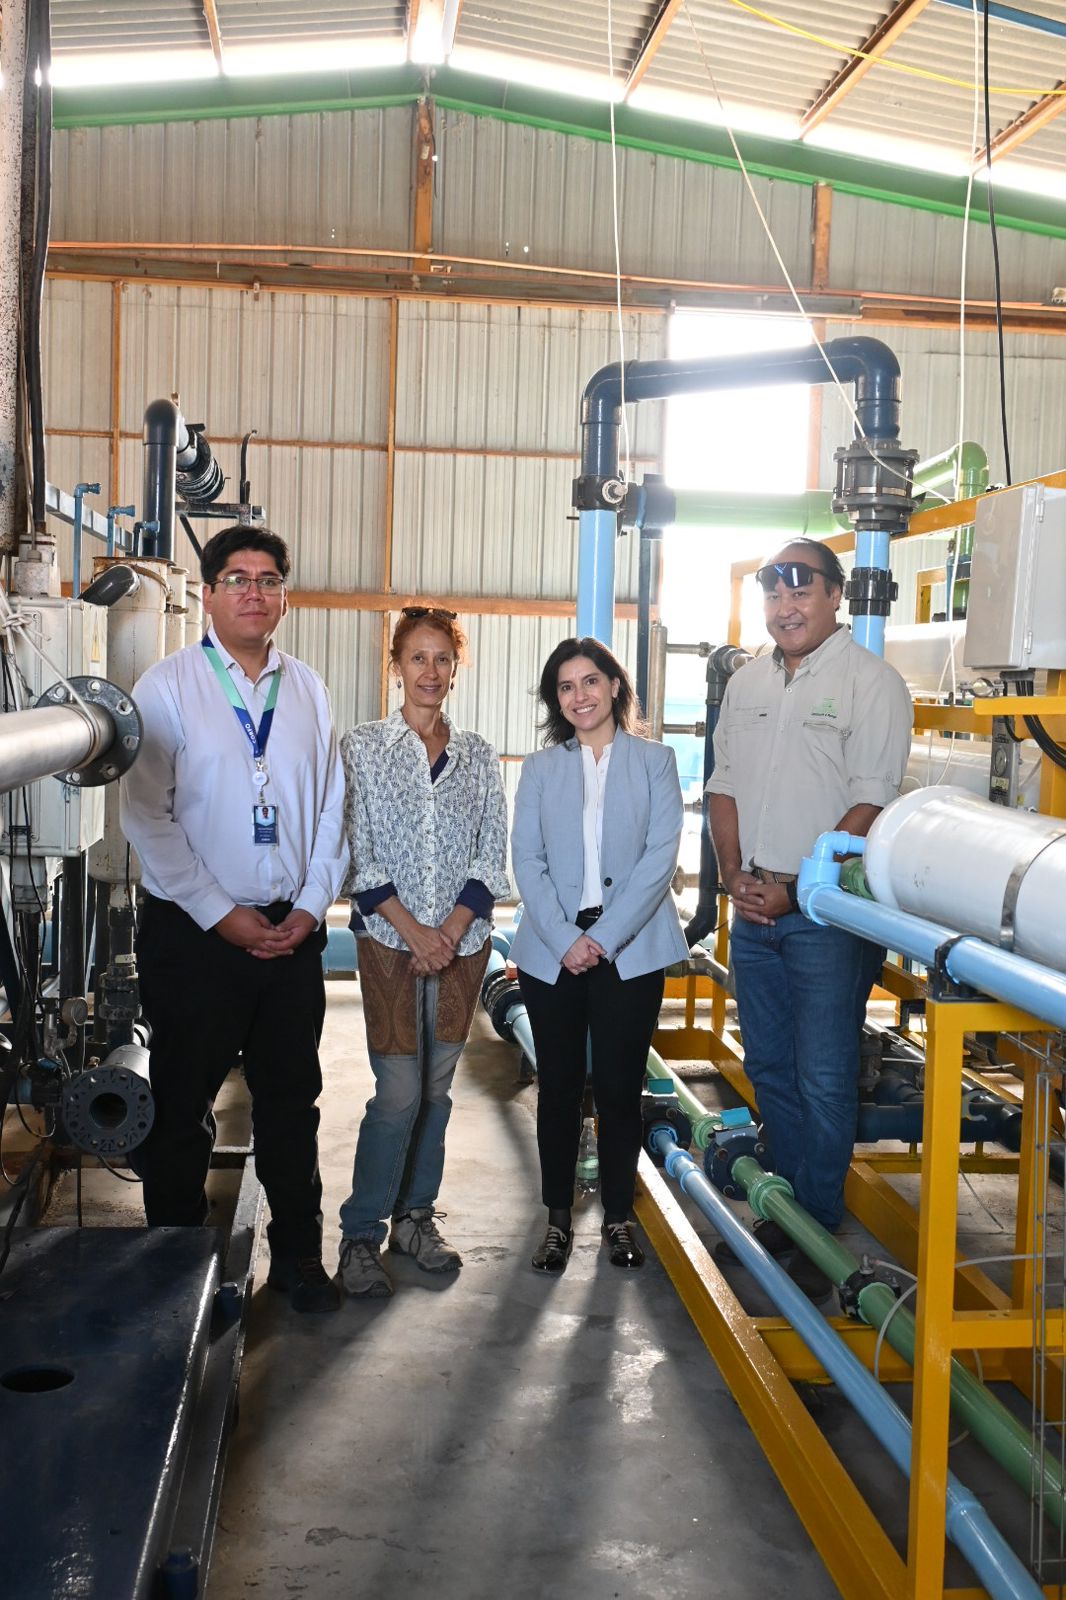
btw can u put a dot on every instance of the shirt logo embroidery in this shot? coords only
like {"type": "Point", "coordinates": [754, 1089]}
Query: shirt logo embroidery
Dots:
{"type": "Point", "coordinates": [825, 708]}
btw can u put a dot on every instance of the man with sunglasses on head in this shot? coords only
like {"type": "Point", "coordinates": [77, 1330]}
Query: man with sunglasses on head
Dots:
{"type": "Point", "coordinates": [236, 810]}
{"type": "Point", "coordinates": [812, 736]}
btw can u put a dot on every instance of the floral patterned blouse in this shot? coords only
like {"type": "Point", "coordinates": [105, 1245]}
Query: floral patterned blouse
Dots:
{"type": "Point", "coordinates": [426, 839]}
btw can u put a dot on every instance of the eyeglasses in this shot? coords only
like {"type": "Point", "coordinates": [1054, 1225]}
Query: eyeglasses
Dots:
{"type": "Point", "coordinates": [793, 574]}
{"type": "Point", "coordinates": [428, 611]}
{"type": "Point", "coordinates": [240, 582]}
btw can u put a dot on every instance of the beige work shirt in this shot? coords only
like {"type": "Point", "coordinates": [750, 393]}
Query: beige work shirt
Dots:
{"type": "Point", "coordinates": [796, 754]}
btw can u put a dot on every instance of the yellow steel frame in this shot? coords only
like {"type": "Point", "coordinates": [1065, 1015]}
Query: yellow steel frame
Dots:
{"type": "Point", "coordinates": [959, 1308]}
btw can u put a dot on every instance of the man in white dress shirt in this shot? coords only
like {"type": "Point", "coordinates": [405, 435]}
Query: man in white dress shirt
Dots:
{"type": "Point", "coordinates": [235, 809]}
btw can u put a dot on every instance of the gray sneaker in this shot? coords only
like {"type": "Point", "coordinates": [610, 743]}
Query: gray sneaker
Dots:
{"type": "Point", "coordinates": [360, 1271]}
{"type": "Point", "coordinates": [417, 1235]}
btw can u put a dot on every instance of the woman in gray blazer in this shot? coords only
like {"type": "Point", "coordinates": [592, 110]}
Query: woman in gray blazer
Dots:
{"type": "Point", "coordinates": [597, 824]}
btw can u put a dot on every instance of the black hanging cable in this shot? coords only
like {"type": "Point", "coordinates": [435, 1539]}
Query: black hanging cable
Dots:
{"type": "Point", "coordinates": [995, 255]}
{"type": "Point", "coordinates": [1049, 747]}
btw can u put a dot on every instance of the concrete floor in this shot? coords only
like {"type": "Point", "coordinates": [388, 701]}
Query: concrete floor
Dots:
{"type": "Point", "coordinates": [505, 1432]}
{"type": "Point", "coordinates": [501, 1432]}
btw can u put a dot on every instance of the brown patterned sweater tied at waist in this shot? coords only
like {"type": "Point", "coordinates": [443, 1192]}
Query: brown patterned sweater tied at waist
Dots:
{"type": "Point", "coordinates": [389, 997]}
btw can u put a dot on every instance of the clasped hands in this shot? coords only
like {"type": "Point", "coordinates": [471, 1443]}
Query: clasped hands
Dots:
{"type": "Point", "coordinates": [249, 930]}
{"type": "Point", "coordinates": [756, 901]}
{"type": "Point", "coordinates": [583, 954]}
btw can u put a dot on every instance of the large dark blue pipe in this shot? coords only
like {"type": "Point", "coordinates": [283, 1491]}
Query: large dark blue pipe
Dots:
{"type": "Point", "coordinates": [867, 363]}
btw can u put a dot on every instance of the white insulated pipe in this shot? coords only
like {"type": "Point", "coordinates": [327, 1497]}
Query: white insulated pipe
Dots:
{"type": "Point", "coordinates": [966, 764]}
{"type": "Point", "coordinates": [948, 856]}
{"type": "Point", "coordinates": [49, 740]}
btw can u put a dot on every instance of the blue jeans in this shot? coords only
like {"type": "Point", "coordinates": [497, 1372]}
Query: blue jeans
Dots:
{"type": "Point", "coordinates": [399, 1155]}
{"type": "Point", "coordinates": [801, 997]}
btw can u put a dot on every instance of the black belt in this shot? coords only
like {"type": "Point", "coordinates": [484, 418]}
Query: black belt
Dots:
{"type": "Point", "coordinates": [588, 916]}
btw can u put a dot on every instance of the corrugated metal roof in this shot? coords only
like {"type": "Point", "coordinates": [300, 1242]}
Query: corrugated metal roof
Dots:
{"type": "Point", "coordinates": [752, 62]}
{"type": "Point", "coordinates": [506, 191]}
{"type": "Point", "coordinates": [273, 21]}
{"type": "Point", "coordinates": [770, 66]}
{"type": "Point", "coordinates": [96, 25]}
{"type": "Point", "coordinates": [941, 43]}
{"type": "Point", "coordinates": [555, 31]}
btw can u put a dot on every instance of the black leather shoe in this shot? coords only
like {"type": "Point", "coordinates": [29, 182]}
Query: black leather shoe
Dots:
{"type": "Point", "coordinates": [774, 1240]}
{"type": "Point", "coordinates": [306, 1283]}
{"type": "Point", "coordinates": [811, 1279]}
{"type": "Point", "coordinates": [624, 1251]}
{"type": "Point", "coordinates": [554, 1253]}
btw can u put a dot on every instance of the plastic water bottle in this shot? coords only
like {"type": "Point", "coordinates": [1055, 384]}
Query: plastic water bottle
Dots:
{"type": "Point", "coordinates": [588, 1159]}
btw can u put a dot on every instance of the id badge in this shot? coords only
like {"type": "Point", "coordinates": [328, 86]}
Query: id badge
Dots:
{"type": "Point", "coordinates": [264, 824]}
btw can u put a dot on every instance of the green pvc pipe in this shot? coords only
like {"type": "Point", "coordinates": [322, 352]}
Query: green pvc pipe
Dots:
{"type": "Point", "coordinates": [991, 1424]}
{"type": "Point", "coordinates": [770, 1196]}
{"type": "Point", "coordinates": [964, 465]}
{"type": "Point", "coordinates": [785, 515]}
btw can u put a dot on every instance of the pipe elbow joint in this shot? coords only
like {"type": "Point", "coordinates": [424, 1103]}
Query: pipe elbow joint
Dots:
{"type": "Point", "coordinates": [161, 423]}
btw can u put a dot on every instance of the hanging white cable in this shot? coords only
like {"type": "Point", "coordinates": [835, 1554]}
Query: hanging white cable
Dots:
{"type": "Point", "coordinates": [627, 464]}
{"type": "Point", "coordinates": [12, 622]}
{"type": "Point", "coordinates": [801, 308]}
{"type": "Point", "coordinates": [965, 244]}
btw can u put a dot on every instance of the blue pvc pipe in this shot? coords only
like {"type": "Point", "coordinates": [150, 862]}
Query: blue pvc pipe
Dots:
{"type": "Point", "coordinates": [515, 1017]}
{"type": "Point", "coordinates": [1020, 19]}
{"type": "Point", "coordinates": [1010, 978]}
{"type": "Point", "coordinates": [967, 1523]}
{"type": "Point", "coordinates": [871, 550]}
{"type": "Point", "coordinates": [595, 575]}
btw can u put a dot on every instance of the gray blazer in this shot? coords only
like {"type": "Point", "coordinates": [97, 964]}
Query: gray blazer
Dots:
{"type": "Point", "coordinates": [642, 817]}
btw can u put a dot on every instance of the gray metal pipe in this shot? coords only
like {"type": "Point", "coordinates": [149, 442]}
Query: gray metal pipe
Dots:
{"type": "Point", "coordinates": [53, 739]}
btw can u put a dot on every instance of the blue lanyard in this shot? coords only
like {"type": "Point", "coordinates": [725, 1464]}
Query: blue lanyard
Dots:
{"type": "Point", "coordinates": [257, 737]}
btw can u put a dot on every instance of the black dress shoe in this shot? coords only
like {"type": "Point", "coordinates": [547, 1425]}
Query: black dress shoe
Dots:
{"type": "Point", "coordinates": [623, 1249]}
{"type": "Point", "coordinates": [554, 1253]}
{"type": "Point", "coordinates": [306, 1283]}
{"type": "Point", "coordinates": [774, 1240]}
{"type": "Point", "coordinates": [810, 1278]}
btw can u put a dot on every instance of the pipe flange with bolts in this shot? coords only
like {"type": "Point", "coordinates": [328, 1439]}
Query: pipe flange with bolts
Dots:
{"type": "Point", "coordinates": [122, 716]}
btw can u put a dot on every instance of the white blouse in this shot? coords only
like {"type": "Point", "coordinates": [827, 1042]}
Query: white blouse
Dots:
{"type": "Point", "coordinates": [595, 773]}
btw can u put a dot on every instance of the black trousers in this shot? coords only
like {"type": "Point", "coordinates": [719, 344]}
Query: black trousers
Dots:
{"type": "Point", "coordinates": [209, 1003]}
{"type": "Point", "coordinates": [619, 1014]}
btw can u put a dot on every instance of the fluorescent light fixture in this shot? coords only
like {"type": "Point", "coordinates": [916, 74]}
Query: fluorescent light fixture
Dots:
{"type": "Point", "coordinates": [551, 75]}
{"type": "Point", "coordinates": [1010, 172]}
{"type": "Point", "coordinates": [101, 67]}
{"type": "Point", "coordinates": [887, 148]}
{"type": "Point", "coordinates": [705, 108]}
{"type": "Point", "coordinates": [311, 55]}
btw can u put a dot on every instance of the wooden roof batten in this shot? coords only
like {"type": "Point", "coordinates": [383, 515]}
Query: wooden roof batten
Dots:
{"type": "Point", "coordinates": [877, 44]}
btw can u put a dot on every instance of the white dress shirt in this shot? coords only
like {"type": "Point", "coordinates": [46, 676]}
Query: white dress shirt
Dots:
{"type": "Point", "coordinates": [187, 801]}
{"type": "Point", "coordinates": [595, 775]}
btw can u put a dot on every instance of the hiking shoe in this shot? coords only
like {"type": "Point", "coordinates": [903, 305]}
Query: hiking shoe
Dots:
{"type": "Point", "coordinates": [555, 1249]}
{"type": "Point", "coordinates": [624, 1249]}
{"type": "Point", "coordinates": [360, 1272]}
{"type": "Point", "coordinates": [306, 1283]}
{"type": "Point", "coordinates": [417, 1235]}
{"type": "Point", "coordinates": [774, 1240]}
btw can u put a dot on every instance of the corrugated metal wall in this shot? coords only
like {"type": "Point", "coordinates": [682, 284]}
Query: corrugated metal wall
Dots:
{"type": "Point", "coordinates": [486, 395]}
{"type": "Point", "coordinates": [486, 434]}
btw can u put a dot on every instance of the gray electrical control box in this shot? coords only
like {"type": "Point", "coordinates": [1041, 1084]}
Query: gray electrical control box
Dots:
{"type": "Point", "coordinates": [1016, 615]}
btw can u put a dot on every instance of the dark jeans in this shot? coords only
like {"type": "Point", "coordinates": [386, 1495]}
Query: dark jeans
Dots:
{"type": "Point", "coordinates": [210, 1003]}
{"type": "Point", "coordinates": [801, 998]}
{"type": "Point", "coordinates": [619, 1015]}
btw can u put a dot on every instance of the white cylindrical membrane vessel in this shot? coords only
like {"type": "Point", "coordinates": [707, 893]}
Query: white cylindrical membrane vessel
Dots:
{"type": "Point", "coordinates": [965, 764]}
{"type": "Point", "coordinates": [136, 640]}
{"type": "Point", "coordinates": [174, 626]}
{"type": "Point", "coordinates": [947, 855]}
{"type": "Point", "coordinates": [919, 654]}
{"type": "Point", "coordinates": [194, 611]}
